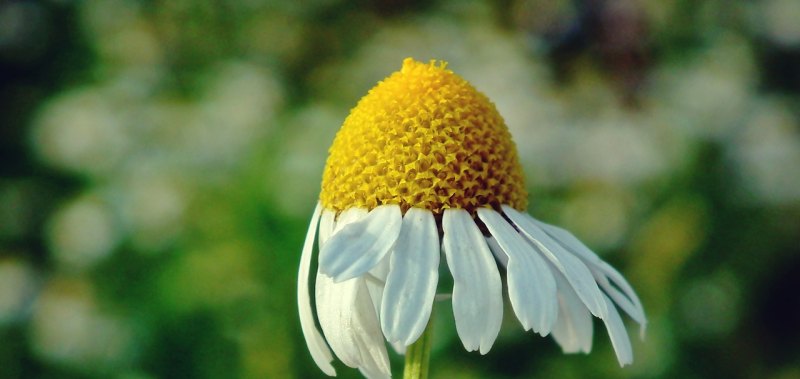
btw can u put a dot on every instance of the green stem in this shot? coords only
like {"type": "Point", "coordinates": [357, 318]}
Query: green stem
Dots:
{"type": "Point", "coordinates": [418, 355]}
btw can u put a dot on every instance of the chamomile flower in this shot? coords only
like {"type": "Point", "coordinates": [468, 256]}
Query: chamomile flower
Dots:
{"type": "Point", "coordinates": [424, 167]}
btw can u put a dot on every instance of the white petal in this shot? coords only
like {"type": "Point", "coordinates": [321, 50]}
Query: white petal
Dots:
{"type": "Point", "coordinates": [326, 224]}
{"type": "Point", "coordinates": [619, 335]}
{"type": "Point", "coordinates": [371, 343]}
{"type": "Point", "coordinates": [377, 276]}
{"type": "Point", "coordinates": [381, 270]}
{"type": "Point", "coordinates": [623, 301]}
{"type": "Point", "coordinates": [531, 287]}
{"type": "Point", "coordinates": [571, 242]}
{"type": "Point", "coordinates": [571, 266]}
{"type": "Point", "coordinates": [330, 296]}
{"type": "Point", "coordinates": [635, 310]}
{"type": "Point", "coordinates": [413, 276]}
{"type": "Point", "coordinates": [350, 324]}
{"type": "Point", "coordinates": [369, 374]}
{"type": "Point", "coordinates": [359, 246]}
{"type": "Point", "coordinates": [498, 252]}
{"type": "Point", "coordinates": [316, 344]}
{"type": "Point", "coordinates": [398, 347]}
{"type": "Point", "coordinates": [627, 300]}
{"type": "Point", "coordinates": [376, 281]}
{"type": "Point", "coordinates": [477, 290]}
{"type": "Point", "coordinates": [348, 217]}
{"type": "Point", "coordinates": [573, 329]}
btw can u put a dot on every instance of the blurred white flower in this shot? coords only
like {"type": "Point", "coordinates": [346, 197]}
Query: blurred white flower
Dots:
{"type": "Point", "coordinates": [613, 149]}
{"type": "Point", "coordinates": [767, 155]}
{"type": "Point", "coordinates": [82, 233]}
{"type": "Point", "coordinates": [67, 327]}
{"type": "Point", "coordinates": [779, 21]}
{"type": "Point", "coordinates": [151, 208]}
{"type": "Point", "coordinates": [18, 282]}
{"type": "Point", "coordinates": [208, 136]}
{"type": "Point", "coordinates": [709, 95]}
{"type": "Point", "coordinates": [234, 113]}
{"type": "Point", "coordinates": [81, 131]}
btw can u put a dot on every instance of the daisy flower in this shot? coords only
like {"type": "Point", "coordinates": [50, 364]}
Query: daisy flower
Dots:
{"type": "Point", "coordinates": [424, 167]}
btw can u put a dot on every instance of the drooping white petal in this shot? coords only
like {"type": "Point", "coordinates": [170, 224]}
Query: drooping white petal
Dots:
{"type": "Point", "coordinates": [627, 299]}
{"type": "Point", "coordinates": [413, 276]}
{"type": "Point", "coordinates": [477, 290]}
{"type": "Point", "coordinates": [571, 266]}
{"type": "Point", "coordinates": [573, 329]}
{"type": "Point", "coordinates": [623, 301]}
{"type": "Point", "coordinates": [498, 252]}
{"type": "Point", "coordinates": [326, 224]}
{"type": "Point", "coordinates": [567, 239]}
{"type": "Point", "coordinates": [376, 281]}
{"type": "Point", "coordinates": [374, 357]}
{"type": "Point", "coordinates": [330, 297]}
{"type": "Point", "coordinates": [381, 270]}
{"type": "Point", "coordinates": [350, 325]}
{"type": "Point", "coordinates": [348, 217]}
{"type": "Point", "coordinates": [531, 287]}
{"type": "Point", "coordinates": [316, 344]}
{"type": "Point", "coordinates": [398, 347]}
{"type": "Point", "coordinates": [359, 246]}
{"type": "Point", "coordinates": [618, 334]}
{"type": "Point", "coordinates": [637, 311]}
{"type": "Point", "coordinates": [369, 374]}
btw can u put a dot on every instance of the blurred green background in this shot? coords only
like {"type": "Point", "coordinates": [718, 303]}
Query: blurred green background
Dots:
{"type": "Point", "coordinates": [159, 161]}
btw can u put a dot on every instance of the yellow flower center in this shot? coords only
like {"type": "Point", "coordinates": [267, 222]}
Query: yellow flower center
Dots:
{"type": "Point", "coordinates": [425, 138]}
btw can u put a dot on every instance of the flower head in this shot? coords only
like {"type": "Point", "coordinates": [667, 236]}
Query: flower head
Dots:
{"type": "Point", "coordinates": [424, 164]}
{"type": "Point", "coordinates": [423, 138]}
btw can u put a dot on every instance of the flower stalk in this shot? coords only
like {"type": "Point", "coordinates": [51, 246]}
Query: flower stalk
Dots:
{"type": "Point", "coordinates": [418, 355]}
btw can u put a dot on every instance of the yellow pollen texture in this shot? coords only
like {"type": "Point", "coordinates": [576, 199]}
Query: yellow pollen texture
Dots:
{"type": "Point", "coordinates": [425, 138]}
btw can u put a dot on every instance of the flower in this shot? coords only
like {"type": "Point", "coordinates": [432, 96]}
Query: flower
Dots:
{"type": "Point", "coordinates": [424, 164]}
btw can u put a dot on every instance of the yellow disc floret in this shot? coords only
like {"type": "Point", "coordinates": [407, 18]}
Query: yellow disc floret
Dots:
{"type": "Point", "coordinates": [425, 138]}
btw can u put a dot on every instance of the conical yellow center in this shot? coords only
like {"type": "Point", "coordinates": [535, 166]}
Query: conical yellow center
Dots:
{"type": "Point", "coordinates": [425, 138]}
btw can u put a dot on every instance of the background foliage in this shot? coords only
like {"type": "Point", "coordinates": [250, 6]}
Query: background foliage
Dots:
{"type": "Point", "coordinates": [159, 161]}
